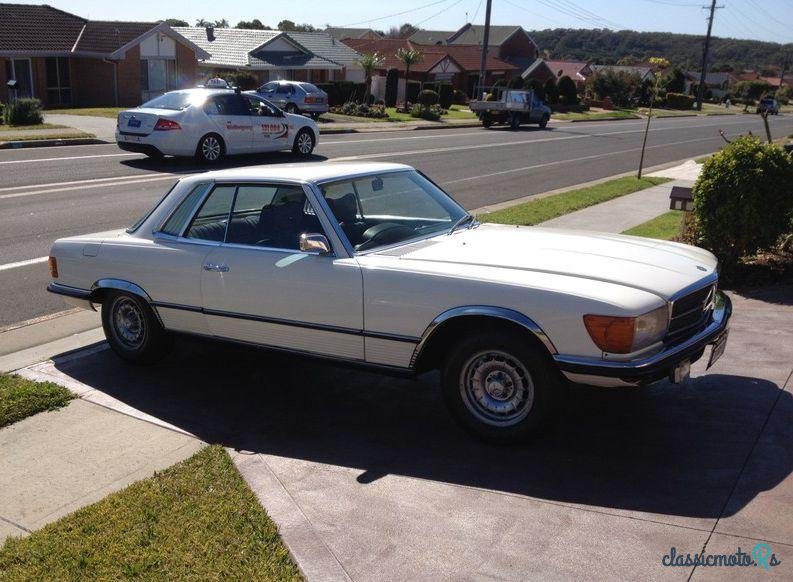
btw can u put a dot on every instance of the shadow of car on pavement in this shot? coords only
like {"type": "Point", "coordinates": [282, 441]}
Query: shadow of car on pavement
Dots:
{"type": "Point", "coordinates": [191, 166]}
{"type": "Point", "coordinates": [675, 450]}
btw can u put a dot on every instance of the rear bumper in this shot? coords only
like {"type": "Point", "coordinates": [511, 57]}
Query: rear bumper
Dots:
{"type": "Point", "coordinates": [653, 368]}
{"type": "Point", "coordinates": [139, 148]}
{"type": "Point", "coordinates": [73, 295]}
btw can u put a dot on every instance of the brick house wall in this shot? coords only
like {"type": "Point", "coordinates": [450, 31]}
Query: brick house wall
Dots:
{"type": "Point", "coordinates": [3, 80]}
{"type": "Point", "coordinates": [518, 45]}
{"type": "Point", "coordinates": [92, 83]}
{"type": "Point", "coordinates": [186, 67]}
{"type": "Point", "coordinates": [129, 90]}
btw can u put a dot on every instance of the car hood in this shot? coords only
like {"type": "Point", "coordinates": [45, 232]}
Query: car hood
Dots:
{"type": "Point", "coordinates": [659, 267]}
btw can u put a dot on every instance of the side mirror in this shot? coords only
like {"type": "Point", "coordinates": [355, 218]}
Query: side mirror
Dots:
{"type": "Point", "coordinates": [314, 243]}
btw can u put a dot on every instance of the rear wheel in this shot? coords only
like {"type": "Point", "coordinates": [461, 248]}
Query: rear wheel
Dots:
{"type": "Point", "coordinates": [514, 121]}
{"type": "Point", "coordinates": [210, 149]}
{"type": "Point", "coordinates": [315, 116]}
{"type": "Point", "coordinates": [486, 121]}
{"type": "Point", "coordinates": [304, 143]}
{"type": "Point", "coordinates": [544, 121]}
{"type": "Point", "coordinates": [133, 330]}
{"type": "Point", "coordinates": [500, 388]}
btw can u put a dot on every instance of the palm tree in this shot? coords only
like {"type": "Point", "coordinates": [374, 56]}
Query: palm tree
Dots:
{"type": "Point", "coordinates": [409, 57]}
{"type": "Point", "coordinates": [369, 62]}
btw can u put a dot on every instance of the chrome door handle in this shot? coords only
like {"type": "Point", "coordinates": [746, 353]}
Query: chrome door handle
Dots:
{"type": "Point", "coordinates": [216, 268]}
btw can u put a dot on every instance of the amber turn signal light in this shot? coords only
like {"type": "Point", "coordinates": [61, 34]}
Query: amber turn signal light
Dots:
{"type": "Point", "coordinates": [53, 267]}
{"type": "Point", "coordinates": [611, 334]}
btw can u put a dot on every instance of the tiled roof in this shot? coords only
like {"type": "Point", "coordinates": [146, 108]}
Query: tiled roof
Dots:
{"type": "Point", "coordinates": [712, 78]}
{"type": "Point", "coordinates": [342, 33]}
{"type": "Point", "coordinates": [431, 36]}
{"type": "Point", "coordinates": [474, 34]}
{"type": "Point", "coordinates": [232, 47]}
{"type": "Point", "coordinates": [468, 57]}
{"type": "Point", "coordinates": [29, 28]}
{"type": "Point", "coordinates": [641, 71]}
{"type": "Point", "coordinates": [107, 36]}
{"type": "Point", "coordinates": [570, 69]}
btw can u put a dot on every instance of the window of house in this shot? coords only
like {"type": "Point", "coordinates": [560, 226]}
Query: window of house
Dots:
{"type": "Point", "coordinates": [59, 83]}
{"type": "Point", "coordinates": [158, 75]}
{"type": "Point", "coordinates": [21, 71]}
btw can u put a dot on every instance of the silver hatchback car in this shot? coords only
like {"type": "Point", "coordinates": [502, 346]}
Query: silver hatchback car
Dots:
{"type": "Point", "coordinates": [296, 97]}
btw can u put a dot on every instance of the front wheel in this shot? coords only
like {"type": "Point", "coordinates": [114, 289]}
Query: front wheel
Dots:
{"type": "Point", "coordinates": [210, 149]}
{"type": "Point", "coordinates": [133, 330]}
{"type": "Point", "coordinates": [500, 388]}
{"type": "Point", "coordinates": [304, 143]}
{"type": "Point", "coordinates": [291, 108]}
{"type": "Point", "coordinates": [514, 122]}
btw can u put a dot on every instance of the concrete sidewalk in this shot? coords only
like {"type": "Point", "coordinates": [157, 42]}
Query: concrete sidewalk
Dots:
{"type": "Point", "coordinates": [104, 128]}
{"type": "Point", "coordinates": [621, 213]}
{"type": "Point", "coordinates": [368, 478]}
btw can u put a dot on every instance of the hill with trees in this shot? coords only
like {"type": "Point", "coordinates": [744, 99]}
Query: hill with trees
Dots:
{"type": "Point", "coordinates": [628, 46]}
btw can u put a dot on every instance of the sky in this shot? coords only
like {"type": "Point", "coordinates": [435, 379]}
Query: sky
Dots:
{"type": "Point", "coordinates": [770, 20]}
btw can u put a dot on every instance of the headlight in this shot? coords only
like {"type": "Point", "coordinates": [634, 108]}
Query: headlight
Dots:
{"type": "Point", "coordinates": [623, 335]}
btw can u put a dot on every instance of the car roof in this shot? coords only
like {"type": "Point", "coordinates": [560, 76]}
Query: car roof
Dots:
{"type": "Point", "coordinates": [299, 172]}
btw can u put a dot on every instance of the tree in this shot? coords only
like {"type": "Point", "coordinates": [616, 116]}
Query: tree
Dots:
{"type": "Point", "coordinates": [289, 26]}
{"type": "Point", "coordinates": [619, 86]}
{"type": "Point", "coordinates": [407, 30]}
{"type": "Point", "coordinates": [409, 57]}
{"type": "Point", "coordinates": [517, 82]}
{"type": "Point", "coordinates": [538, 88]}
{"type": "Point", "coordinates": [223, 23]}
{"type": "Point", "coordinates": [568, 91]}
{"type": "Point", "coordinates": [369, 62]}
{"type": "Point", "coordinates": [752, 89]}
{"type": "Point", "coordinates": [175, 22]}
{"type": "Point", "coordinates": [551, 91]}
{"type": "Point", "coordinates": [675, 81]}
{"type": "Point", "coordinates": [254, 24]}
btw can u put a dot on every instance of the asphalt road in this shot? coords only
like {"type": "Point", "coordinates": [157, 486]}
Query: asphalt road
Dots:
{"type": "Point", "coordinates": [47, 193]}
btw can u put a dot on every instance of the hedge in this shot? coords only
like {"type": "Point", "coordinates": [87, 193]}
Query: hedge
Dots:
{"type": "Point", "coordinates": [679, 101]}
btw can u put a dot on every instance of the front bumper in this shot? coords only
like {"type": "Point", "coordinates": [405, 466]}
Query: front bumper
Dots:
{"type": "Point", "coordinates": [653, 368]}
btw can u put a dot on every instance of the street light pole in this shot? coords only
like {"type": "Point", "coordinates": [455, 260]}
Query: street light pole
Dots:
{"type": "Point", "coordinates": [483, 62]}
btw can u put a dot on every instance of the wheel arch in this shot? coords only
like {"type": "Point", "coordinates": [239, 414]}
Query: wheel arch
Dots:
{"type": "Point", "coordinates": [100, 288]}
{"type": "Point", "coordinates": [217, 135]}
{"type": "Point", "coordinates": [451, 324]}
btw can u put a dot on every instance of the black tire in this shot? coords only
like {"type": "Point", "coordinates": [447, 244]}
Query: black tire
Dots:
{"type": "Point", "coordinates": [486, 121]}
{"type": "Point", "coordinates": [210, 149]}
{"type": "Point", "coordinates": [133, 330]}
{"type": "Point", "coordinates": [513, 401]}
{"type": "Point", "coordinates": [544, 121]}
{"type": "Point", "coordinates": [291, 108]}
{"type": "Point", "coordinates": [304, 143]}
{"type": "Point", "coordinates": [514, 122]}
{"type": "Point", "coordinates": [315, 116]}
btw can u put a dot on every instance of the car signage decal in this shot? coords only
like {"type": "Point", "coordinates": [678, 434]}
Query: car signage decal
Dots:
{"type": "Point", "coordinates": [233, 126]}
{"type": "Point", "coordinates": [275, 130]}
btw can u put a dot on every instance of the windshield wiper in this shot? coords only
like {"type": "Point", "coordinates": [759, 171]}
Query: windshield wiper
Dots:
{"type": "Point", "coordinates": [461, 221]}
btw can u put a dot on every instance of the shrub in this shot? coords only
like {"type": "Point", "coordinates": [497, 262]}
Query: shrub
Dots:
{"type": "Point", "coordinates": [24, 112]}
{"type": "Point", "coordinates": [679, 101]}
{"type": "Point", "coordinates": [332, 90]}
{"type": "Point", "coordinates": [243, 80]}
{"type": "Point", "coordinates": [430, 113]}
{"type": "Point", "coordinates": [460, 98]}
{"type": "Point", "coordinates": [516, 82]}
{"type": "Point", "coordinates": [2, 113]}
{"type": "Point", "coordinates": [412, 91]}
{"type": "Point", "coordinates": [568, 92]}
{"type": "Point", "coordinates": [428, 97]}
{"type": "Point", "coordinates": [446, 95]}
{"type": "Point", "coordinates": [743, 200]}
{"type": "Point", "coordinates": [361, 110]}
{"type": "Point", "coordinates": [551, 91]}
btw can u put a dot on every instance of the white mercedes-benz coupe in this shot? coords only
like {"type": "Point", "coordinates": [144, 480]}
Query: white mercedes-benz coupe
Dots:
{"type": "Point", "coordinates": [211, 123]}
{"type": "Point", "coordinates": [374, 264]}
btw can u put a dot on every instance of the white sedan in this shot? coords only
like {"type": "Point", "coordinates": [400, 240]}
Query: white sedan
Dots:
{"type": "Point", "coordinates": [212, 123]}
{"type": "Point", "coordinates": [373, 264]}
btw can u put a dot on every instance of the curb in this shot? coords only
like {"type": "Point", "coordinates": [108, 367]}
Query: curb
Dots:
{"type": "Point", "coordinates": [40, 143]}
{"type": "Point", "coordinates": [603, 119]}
{"type": "Point", "coordinates": [331, 131]}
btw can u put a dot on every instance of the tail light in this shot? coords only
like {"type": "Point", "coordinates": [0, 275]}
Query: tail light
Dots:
{"type": "Point", "coordinates": [53, 267]}
{"type": "Point", "coordinates": [313, 99]}
{"type": "Point", "coordinates": [166, 125]}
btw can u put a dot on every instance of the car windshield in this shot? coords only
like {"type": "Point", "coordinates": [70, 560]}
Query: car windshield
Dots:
{"type": "Point", "coordinates": [175, 101]}
{"type": "Point", "coordinates": [389, 208]}
{"type": "Point", "coordinates": [309, 87]}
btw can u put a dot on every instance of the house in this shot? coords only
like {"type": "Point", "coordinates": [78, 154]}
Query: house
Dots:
{"type": "Point", "coordinates": [504, 42]}
{"type": "Point", "coordinates": [578, 71]}
{"type": "Point", "coordinates": [458, 65]}
{"type": "Point", "coordinates": [66, 60]}
{"type": "Point", "coordinates": [343, 33]}
{"type": "Point", "coordinates": [431, 36]}
{"type": "Point", "coordinates": [717, 84]}
{"type": "Point", "coordinates": [644, 73]}
{"type": "Point", "coordinates": [273, 54]}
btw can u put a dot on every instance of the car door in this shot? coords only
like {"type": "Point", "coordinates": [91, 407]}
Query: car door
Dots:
{"type": "Point", "coordinates": [230, 117]}
{"type": "Point", "coordinates": [259, 287]}
{"type": "Point", "coordinates": [283, 95]}
{"type": "Point", "coordinates": [270, 130]}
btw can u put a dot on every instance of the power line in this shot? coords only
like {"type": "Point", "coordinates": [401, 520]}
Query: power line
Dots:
{"type": "Point", "coordinates": [771, 18]}
{"type": "Point", "coordinates": [704, 71]}
{"type": "Point", "coordinates": [441, 11]}
{"type": "Point", "coordinates": [571, 12]}
{"type": "Point", "coordinates": [541, 16]}
{"type": "Point", "coordinates": [478, 6]}
{"type": "Point", "coordinates": [574, 6]}
{"type": "Point", "coordinates": [397, 13]}
{"type": "Point", "coordinates": [753, 21]}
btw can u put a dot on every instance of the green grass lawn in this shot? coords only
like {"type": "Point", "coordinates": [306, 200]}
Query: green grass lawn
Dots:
{"type": "Point", "coordinates": [111, 112]}
{"type": "Point", "coordinates": [664, 227]}
{"type": "Point", "coordinates": [543, 209]}
{"type": "Point", "coordinates": [197, 520]}
{"type": "Point", "coordinates": [20, 398]}
{"type": "Point", "coordinates": [65, 134]}
{"type": "Point", "coordinates": [591, 115]}
{"type": "Point", "coordinates": [29, 127]}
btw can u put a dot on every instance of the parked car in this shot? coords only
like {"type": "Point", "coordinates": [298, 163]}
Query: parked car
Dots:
{"type": "Point", "coordinates": [212, 123]}
{"type": "Point", "coordinates": [768, 105]}
{"type": "Point", "coordinates": [512, 107]}
{"type": "Point", "coordinates": [296, 97]}
{"type": "Point", "coordinates": [373, 264]}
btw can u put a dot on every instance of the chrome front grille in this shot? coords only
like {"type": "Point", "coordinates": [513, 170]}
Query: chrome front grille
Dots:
{"type": "Point", "coordinates": [690, 314]}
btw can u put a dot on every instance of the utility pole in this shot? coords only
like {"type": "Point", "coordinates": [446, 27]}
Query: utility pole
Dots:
{"type": "Point", "coordinates": [483, 63]}
{"type": "Point", "coordinates": [703, 73]}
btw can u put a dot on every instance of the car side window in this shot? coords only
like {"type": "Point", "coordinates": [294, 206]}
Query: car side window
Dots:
{"type": "Point", "coordinates": [284, 89]}
{"type": "Point", "coordinates": [268, 87]}
{"type": "Point", "coordinates": [175, 223]}
{"type": "Point", "coordinates": [231, 104]}
{"type": "Point", "coordinates": [210, 222]}
{"type": "Point", "coordinates": [259, 107]}
{"type": "Point", "coordinates": [271, 216]}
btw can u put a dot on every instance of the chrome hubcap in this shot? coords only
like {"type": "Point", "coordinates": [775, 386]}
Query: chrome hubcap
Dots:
{"type": "Point", "coordinates": [210, 148]}
{"type": "Point", "coordinates": [128, 323]}
{"type": "Point", "coordinates": [304, 143]}
{"type": "Point", "coordinates": [496, 388]}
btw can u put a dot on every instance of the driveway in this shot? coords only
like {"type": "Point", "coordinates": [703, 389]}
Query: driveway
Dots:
{"type": "Point", "coordinates": [369, 479]}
